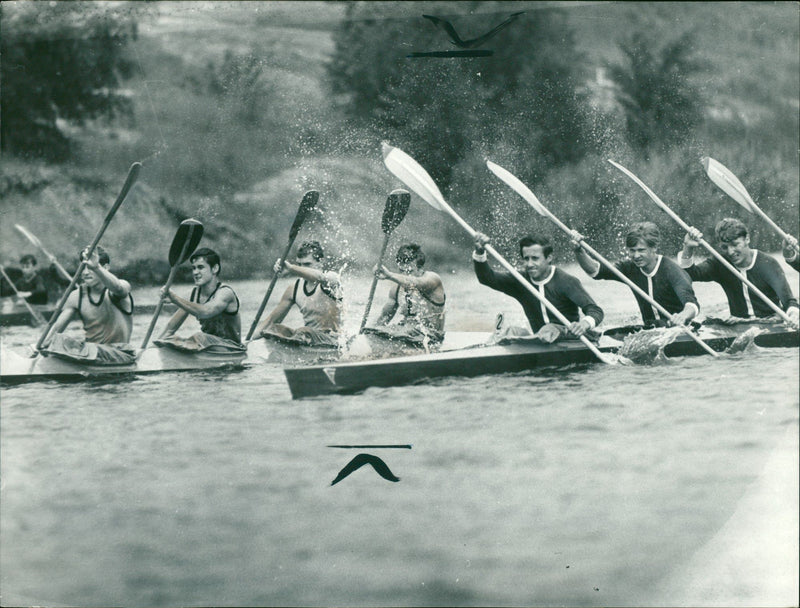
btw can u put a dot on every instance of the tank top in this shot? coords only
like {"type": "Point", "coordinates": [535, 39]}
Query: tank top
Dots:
{"type": "Point", "coordinates": [418, 308]}
{"type": "Point", "coordinates": [321, 306]}
{"type": "Point", "coordinates": [226, 324]}
{"type": "Point", "coordinates": [105, 321]}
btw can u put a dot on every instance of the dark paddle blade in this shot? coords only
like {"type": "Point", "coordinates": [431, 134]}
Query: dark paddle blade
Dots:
{"type": "Point", "coordinates": [309, 201]}
{"type": "Point", "coordinates": [395, 210]}
{"type": "Point", "coordinates": [185, 242]}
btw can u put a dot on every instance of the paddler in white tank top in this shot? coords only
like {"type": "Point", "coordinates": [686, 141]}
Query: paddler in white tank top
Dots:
{"type": "Point", "coordinates": [418, 295]}
{"type": "Point", "coordinates": [105, 306]}
{"type": "Point", "coordinates": [214, 304]}
{"type": "Point", "coordinates": [318, 296]}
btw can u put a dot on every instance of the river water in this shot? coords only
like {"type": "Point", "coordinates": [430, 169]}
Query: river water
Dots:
{"type": "Point", "coordinates": [585, 485]}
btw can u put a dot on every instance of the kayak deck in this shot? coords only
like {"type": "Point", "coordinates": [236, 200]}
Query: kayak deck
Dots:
{"type": "Point", "coordinates": [353, 377]}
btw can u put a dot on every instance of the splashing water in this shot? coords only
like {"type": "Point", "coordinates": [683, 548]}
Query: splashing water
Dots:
{"type": "Point", "coordinates": [647, 346]}
{"type": "Point", "coordinates": [746, 342]}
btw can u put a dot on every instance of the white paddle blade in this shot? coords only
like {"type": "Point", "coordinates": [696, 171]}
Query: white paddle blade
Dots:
{"type": "Point", "coordinates": [35, 241]}
{"type": "Point", "coordinates": [728, 183]}
{"type": "Point", "coordinates": [516, 185]}
{"type": "Point", "coordinates": [411, 173]}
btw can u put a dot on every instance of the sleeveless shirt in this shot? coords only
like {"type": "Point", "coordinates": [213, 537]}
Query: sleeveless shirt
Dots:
{"type": "Point", "coordinates": [321, 307]}
{"type": "Point", "coordinates": [105, 322]}
{"type": "Point", "coordinates": [226, 324]}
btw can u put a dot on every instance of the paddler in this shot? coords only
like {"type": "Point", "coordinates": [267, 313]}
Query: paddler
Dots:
{"type": "Point", "coordinates": [31, 285]}
{"type": "Point", "coordinates": [560, 288]}
{"type": "Point", "coordinates": [104, 304]}
{"type": "Point", "coordinates": [791, 252]}
{"type": "Point", "coordinates": [213, 303]}
{"type": "Point", "coordinates": [661, 278]}
{"type": "Point", "coordinates": [418, 295]}
{"type": "Point", "coordinates": [761, 269]}
{"type": "Point", "coordinates": [316, 293]}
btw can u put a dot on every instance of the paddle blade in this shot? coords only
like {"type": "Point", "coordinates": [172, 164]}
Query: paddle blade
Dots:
{"type": "Point", "coordinates": [518, 187]}
{"type": "Point", "coordinates": [308, 203]}
{"type": "Point", "coordinates": [728, 183]}
{"type": "Point", "coordinates": [411, 173]}
{"type": "Point", "coordinates": [32, 238]}
{"type": "Point", "coordinates": [395, 210]}
{"type": "Point", "coordinates": [185, 242]}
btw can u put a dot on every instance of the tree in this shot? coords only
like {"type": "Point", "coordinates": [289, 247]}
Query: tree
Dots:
{"type": "Point", "coordinates": [61, 61]}
{"type": "Point", "coordinates": [662, 106]}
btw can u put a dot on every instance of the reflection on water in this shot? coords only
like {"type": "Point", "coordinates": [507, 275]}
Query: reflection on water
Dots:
{"type": "Point", "coordinates": [584, 485]}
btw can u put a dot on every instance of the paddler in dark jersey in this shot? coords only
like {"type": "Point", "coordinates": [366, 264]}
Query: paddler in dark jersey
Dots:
{"type": "Point", "coordinates": [560, 288]}
{"type": "Point", "coordinates": [318, 296]}
{"type": "Point", "coordinates": [213, 303]}
{"type": "Point", "coordinates": [105, 306]}
{"type": "Point", "coordinates": [658, 276]}
{"type": "Point", "coordinates": [761, 269]}
{"type": "Point", "coordinates": [418, 295]}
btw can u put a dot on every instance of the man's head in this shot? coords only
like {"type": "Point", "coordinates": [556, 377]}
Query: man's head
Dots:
{"type": "Point", "coordinates": [28, 264]}
{"type": "Point", "coordinates": [642, 241]}
{"type": "Point", "coordinates": [410, 258]}
{"type": "Point", "coordinates": [100, 256]}
{"type": "Point", "coordinates": [310, 255]}
{"type": "Point", "coordinates": [537, 256]}
{"type": "Point", "coordinates": [205, 265]}
{"type": "Point", "coordinates": [734, 240]}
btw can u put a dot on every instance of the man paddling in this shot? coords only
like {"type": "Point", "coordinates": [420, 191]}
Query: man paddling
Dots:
{"type": "Point", "coordinates": [418, 295]}
{"type": "Point", "coordinates": [762, 270]}
{"type": "Point", "coordinates": [661, 278]}
{"type": "Point", "coordinates": [560, 288]}
{"type": "Point", "coordinates": [104, 304]}
{"type": "Point", "coordinates": [318, 296]}
{"type": "Point", "coordinates": [31, 284]}
{"type": "Point", "coordinates": [214, 304]}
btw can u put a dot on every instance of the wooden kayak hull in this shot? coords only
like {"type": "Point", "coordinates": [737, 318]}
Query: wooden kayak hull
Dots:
{"type": "Point", "coordinates": [16, 368]}
{"type": "Point", "coordinates": [353, 377]}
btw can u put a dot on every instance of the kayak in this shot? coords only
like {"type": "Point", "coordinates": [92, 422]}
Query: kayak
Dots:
{"type": "Point", "coordinates": [514, 356]}
{"type": "Point", "coordinates": [20, 315]}
{"type": "Point", "coordinates": [17, 368]}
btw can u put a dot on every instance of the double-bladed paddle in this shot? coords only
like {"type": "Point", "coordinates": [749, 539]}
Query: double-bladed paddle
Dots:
{"type": "Point", "coordinates": [705, 244]}
{"type": "Point", "coordinates": [38, 319]}
{"type": "Point", "coordinates": [133, 175]}
{"type": "Point", "coordinates": [183, 245]}
{"type": "Point", "coordinates": [730, 185]}
{"type": "Point", "coordinates": [37, 243]}
{"type": "Point", "coordinates": [308, 203]}
{"type": "Point", "coordinates": [526, 193]}
{"type": "Point", "coordinates": [407, 170]}
{"type": "Point", "coordinates": [393, 213]}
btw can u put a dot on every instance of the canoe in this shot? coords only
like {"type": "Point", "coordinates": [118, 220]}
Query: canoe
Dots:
{"type": "Point", "coordinates": [353, 377]}
{"type": "Point", "coordinates": [17, 368]}
{"type": "Point", "coordinates": [19, 315]}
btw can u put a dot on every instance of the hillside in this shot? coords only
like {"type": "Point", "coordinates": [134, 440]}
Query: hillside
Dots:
{"type": "Point", "coordinates": [751, 54]}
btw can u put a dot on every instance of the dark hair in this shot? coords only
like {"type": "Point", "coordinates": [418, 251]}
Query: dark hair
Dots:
{"type": "Point", "coordinates": [729, 229]}
{"type": "Point", "coordinates": [28, 258]}
{"type": "Point", "coordinates": [643, 231]}
{"type": "Point", "coordinates": [209, 255]}
{"type": "Point", "coordinates": [409, 253]}
{"type": "Point", "coordinates": [312, 248]}
{"type": "Point", "coordinates": [542, 241]}
{"type": "Point", "coordinates": [102, 256]}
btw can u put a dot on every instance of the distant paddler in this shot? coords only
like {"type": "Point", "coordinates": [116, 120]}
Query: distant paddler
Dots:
{"type": "Point", "coordinates": [558, 287]}
{"type": "Point", "coordinates": [104, 304]}
{"type": "Point", "coordinates": [31, 285]}
{"type": "Point", "coordinates": [759, 268]}
{"type": "Point", "coordinates": [317, 294]}
{"type": "Point", "coordinates": [213, 303]}
{"type": "Point", "coordinates": [418, 295]}
{"type": "Point", "coordinates": [660, 278]}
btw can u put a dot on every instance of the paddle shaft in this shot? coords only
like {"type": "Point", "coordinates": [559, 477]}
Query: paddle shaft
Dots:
{"type": "Point", "coordinates": [38, 318]}
{"type": "Point", "coordinates": [37, 243]}
{"type": "Point", "coordinates": [707, 246]}
{"type": "Point", "coordinates": [172, 272]}
{"type": "Point", "coordinates": [269, 290]}
{"type": "Point", "coordinates": [374, 284]}
{"type": "Point", "coordinates": [133, 174]}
